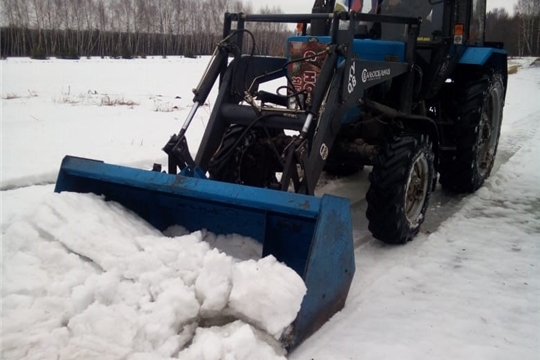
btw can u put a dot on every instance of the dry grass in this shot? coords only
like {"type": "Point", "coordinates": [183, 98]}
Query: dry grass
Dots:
{"type": "Point", "coordinates": [67, 99]}
{"type": "Point", "coordinates": [513, 69]}
{"type": "Point", "coordinates": [92, 98]}
{"type": "Point", "coordinates": [161, 105]}
{"type": "Point", "coordinates": [164, 108]}
{"type": "Point", "coordinates": [109, 101]}
{"type": "Point", "coordinates": [10, 96]}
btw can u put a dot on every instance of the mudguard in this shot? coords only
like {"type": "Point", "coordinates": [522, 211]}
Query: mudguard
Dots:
{"type": "Point", "coordinates": [479, 55]}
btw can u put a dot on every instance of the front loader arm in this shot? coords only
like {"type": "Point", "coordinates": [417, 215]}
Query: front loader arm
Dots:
{"type": "Point", "coordinates": [176, 148]}
{"type": "Point", "coordinates": [327, 129]}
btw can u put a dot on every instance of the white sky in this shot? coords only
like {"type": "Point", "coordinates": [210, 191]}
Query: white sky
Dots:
{"type": "Point", "coordinates": [303, 6]}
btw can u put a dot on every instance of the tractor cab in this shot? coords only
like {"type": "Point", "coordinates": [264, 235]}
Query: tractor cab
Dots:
{"type": "Point", "coordinates": [451, 33]}
{"type": "Point", "coordinates": [460, 20]}
{"type": "Point", "coordinates": [431, 15]}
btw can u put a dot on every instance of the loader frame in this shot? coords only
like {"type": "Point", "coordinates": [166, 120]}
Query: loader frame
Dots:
{"type": "Point", "coordinates": [341, 84]}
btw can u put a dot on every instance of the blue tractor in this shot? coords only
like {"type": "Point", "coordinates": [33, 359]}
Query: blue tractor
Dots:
{"type": "Point", "coordinates": [408, 87]}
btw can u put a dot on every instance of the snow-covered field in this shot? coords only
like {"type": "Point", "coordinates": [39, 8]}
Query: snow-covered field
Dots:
{"type": "Point", "coordinates": [85, 279]}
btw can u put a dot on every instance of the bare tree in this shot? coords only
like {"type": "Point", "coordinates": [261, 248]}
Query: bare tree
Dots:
{"type": "Point", "coordinates": [528, 13]}
{"type": "Point", "coordinates": [125, 27]}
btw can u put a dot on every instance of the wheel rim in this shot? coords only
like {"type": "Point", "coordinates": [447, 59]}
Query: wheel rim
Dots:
{"type": "Point", "coordinates": [489, 122]}
{"type": "Point", "coordinates": [417, 188]}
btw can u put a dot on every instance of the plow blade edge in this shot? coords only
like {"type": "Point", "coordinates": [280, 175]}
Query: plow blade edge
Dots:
{"type": "Point", "coordinates": [311, 235]}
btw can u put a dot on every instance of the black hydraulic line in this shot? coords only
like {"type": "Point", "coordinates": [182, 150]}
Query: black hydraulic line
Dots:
{"type": "Point", "coordinates": [202, 91]}
{"type": "Point", "coordinates": [268, 97]}
{"type": "Point", "coordinates": [177, 148]}
{"type": "Point", "coordinates": [244, 133]}
{"type": "Point", "coordinates": [244, 115]}
{"type": "Point", "coordinates": [424, 122]}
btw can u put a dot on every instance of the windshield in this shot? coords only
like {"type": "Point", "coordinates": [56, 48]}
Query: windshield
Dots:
{"type": "Point", "coordinates": [431, 27]}
{"type": "Point", "coordinates": [388, 7]}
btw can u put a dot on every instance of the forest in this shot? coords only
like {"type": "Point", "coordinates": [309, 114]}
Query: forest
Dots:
{"type": "Point", "coordinates": [519, 32]}
{"type": "Point", "coordinates": [137, 28]}
{"type": "Point", "coordinates": [125, 28]}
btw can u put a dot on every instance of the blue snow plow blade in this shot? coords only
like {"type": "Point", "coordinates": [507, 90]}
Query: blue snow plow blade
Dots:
{"type": "Point", "coordinates": [311, 235]}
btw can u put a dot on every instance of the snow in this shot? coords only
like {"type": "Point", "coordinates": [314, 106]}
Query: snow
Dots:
{"type": "Point", "coordinates": [101, 283]}
{"type": "Point", "coordinates": [88, 279]}
{"type": "Point", "coordinates": [60, 102]}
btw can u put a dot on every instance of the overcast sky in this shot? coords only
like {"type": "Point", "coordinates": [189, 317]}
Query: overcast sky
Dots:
{"type": "Point", "coordinates": [304, 6]}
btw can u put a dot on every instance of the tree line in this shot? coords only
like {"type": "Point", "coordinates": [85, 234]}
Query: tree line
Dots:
{"type": "Point", "coordinates": [128, 28]}
{"type": "Point", "coordinates": [519, 32]}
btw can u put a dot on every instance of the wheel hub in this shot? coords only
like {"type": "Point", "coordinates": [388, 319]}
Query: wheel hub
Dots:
{"type": "Point", "coordinates": [417, 189]}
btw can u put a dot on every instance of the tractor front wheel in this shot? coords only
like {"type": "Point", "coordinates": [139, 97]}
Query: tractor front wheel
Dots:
{"type": "Point", "coordinates": [401, 185]}
{"type": "Point", "coordinates": [243, 158]}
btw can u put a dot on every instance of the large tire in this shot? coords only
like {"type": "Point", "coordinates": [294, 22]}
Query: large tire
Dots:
{"type": "Point", "coordinates": [401, 185]}
{"type": "Point", "coordinates": [242, 159]}
{"type": "Point", "coordinates": [477, 128]}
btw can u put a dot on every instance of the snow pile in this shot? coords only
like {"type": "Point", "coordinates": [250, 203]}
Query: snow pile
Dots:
{"type": "Point", "coordinates": [86, 279]}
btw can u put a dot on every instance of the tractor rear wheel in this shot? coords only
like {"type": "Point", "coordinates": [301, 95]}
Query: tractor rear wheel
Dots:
{"type": "Point", "coordinates": [477, 129]}
{"type": "Point", "coordinates": [242, 158]}
{"type": "Point", "coordinates": [401, 185]}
